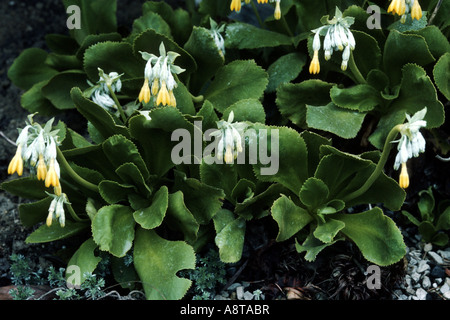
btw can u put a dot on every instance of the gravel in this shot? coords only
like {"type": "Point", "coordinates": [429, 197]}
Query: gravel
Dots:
{"type": "Point", "coordinates": [426, 277]}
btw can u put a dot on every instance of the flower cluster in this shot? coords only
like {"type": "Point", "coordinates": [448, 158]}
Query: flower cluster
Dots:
{"type": "Point", "coordinates": [410, 144]}
{"type": "Point", "coordinates": [100, 93]}
{"type": "Point", "coordinates": [56, 209]}
{"type": "Point", "coordinates": [403, 7]}
{"type": "Point", "coordinates": [236, 6]}
{"type": "Point", "coordinates": [338, 37]}
{"type": "Point", "coordinates": [36, 147]}
{"type": "Point", "coordinates": [216, 34]}
{"type": "Point", "coordinates": [230, 138]}
{"type": "Point", "coordinates": [159, 80]}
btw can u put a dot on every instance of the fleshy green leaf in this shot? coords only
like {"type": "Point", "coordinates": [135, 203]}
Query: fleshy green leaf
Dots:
{"type": "Point", "coordinates": [157, 262]}
{"type": "Point", "coordinates": [287, 156]}
{"type": "Point", "coordinates": [314, 193]}
{"type": "Point", "coordinates": [293, 98]}
{"type": "Point", "coordinates": [230, 236]}
{"type": "Point", "coordinates": [152, 216]}
{"type": "Point", "coordinates": [29, 68]}
{"type": "Point", "coordinates": [56, 232]}
{"type": "Point", "coordinates": [113, 229]}
{"type": "Point", "coordinates": [99, 117]}
{"type": "Point", "coordinates": [236, 81]}
{"type": "Point", "coordinates": [97, 16]}
{"type": "Point", "coordinates": [34, 212]}
{"type": "Point", "coordinates": [341, 122]}
{"type": "Point", "coordinates": [112, 56]}
{"type": "Point", "coordinates": [285, 69]}
{"type": "Point", "coordinates": [85, 261]}
{"type": "Point", "coordinates": [245, 36]}
{"type": "Point", "coordinates": [151, 20]}
{"type": "Point", "coordinates": [416, 92]}
{"type": "Point", "coordinates": [326, 232]}
{"type": "Point", "coordinates": [180, 218]}
{"type": "Point", "coordinates": [120, 150]}
{"type": "Point", "coordinates": [26, 187]}
{"type": "Point", "coordinates": [375, 234]}
{"type": "Point", "coordinates": [208, 56]}
{"type": "Point", "coordinates": [57, 90]}
{"type": "Point", "coordinates": [246, 110]}
{"type": "Point", "coordinates": [360, 98]}
{"type": "Point", "coordinates": [312, 246]}
{"type": "Point", "coordinates": [401, 49]}
{"type": "Point", "coordinates": [290, 217]}
{"type": "Point", "coordinates": [441, 73]}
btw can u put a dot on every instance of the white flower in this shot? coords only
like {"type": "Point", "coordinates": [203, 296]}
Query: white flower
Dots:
{"type": "Point", "coordinates": [158, 77]}
{"type": "Point", "coordinates": [410, 144]}
{"type": "Point", "coordinates": [56, 209]}
{"type": "Point", "coordinates": [216, 34]}
{"type": "Point", "coordinates": [337, 37]}
{"type": "Point", "coordinates": [230, 138]}
{"type": "Point", "coordinates": [100, 93]}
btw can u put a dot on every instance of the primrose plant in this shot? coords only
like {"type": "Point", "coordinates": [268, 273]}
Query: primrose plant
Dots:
{"type": "Point", "coordinates": [141, 183]}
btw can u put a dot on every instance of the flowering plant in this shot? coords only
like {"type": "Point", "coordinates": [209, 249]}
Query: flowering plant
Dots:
{"type": "Point", "coordinates": [143, 182]}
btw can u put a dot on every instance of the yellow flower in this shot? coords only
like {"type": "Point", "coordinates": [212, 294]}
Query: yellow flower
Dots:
{"type": "Point", "coordinates": [52, 178]}
{"type": "Point", "coordinates": [263, 1]}
{"type": "Point", "coordinates": [404, 178]}
{"type": "Point", "coordinates": [172, 100]}
{"type": "Point", "coordinates": [314, 67]}
{"type": "Point", "coordinates": [397, 7]}
{"type": "Point", "coordinates": [41, 168]}
{"type": "Point", "coordinates": [416, 10]}
{"type": "Point", "coordinates": [155, 86]}
{"type": "Point", "coordinates": [277, 13]}
{"type": "Point", "coordinates": [228, 155]}
{"type": "Point", "coordinates": [144, 95]}
{"type": "Point", "coordinates": [163, 95]}
{"type": "Point", "coordinates": [235, 5]}
{"type": "Point", "coordinates": [16, 164]}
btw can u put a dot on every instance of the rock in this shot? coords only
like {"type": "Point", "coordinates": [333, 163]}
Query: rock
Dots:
{"type": "Point", "coordinates": [421, 294]}
{"type": "Point", "coordinates": [423, 265]}
{"type": "Point", "coordinates": [412, 261]}
{"type": "Point", "coordinates": [233, 286]}
{"type": "Point", "coordinates": [437, 272]}
{"type": "Point", "coordinates": [248, 295]}
{"type": "Point", "coordinates": [426, 282]}
{"type": "Point", "coordinates": [427, 247]}
{"type": "Point", "coordinates": [436, 258]}
{"type": "Point", "coordinates": [240, 293]}
{"type": "Point", "coordinates": [447, 295]}
{"type": "Point", "coordinates": [415, 277]}
{"type": "Point", "coordinates": [445, 288]}
{"type": "Point", "coordinates": [445, 254]}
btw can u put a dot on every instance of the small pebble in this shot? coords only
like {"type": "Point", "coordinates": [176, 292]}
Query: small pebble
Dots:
{"type": "Point", "coordinates": [445, 254]}
{"type": "Point", "coordinates": [233, 286]}
{"type": "Point", "coordinates": [427, 247]}
{"type": "Point", "coordinates": [436, 258]}
{"type": "Point", "coordinates": [437, 272]}
{"type": "Point", "coordinates": [445, 288]}
{"type": "Point", "coordinates": [421, 294]}
{"type": "Point", "coordinates": [423, 265]}
{"type": "Point", "coordinates": [240, 293]}
{"type": "Point", "coordinates": [415, 277]}
{"type": "Point", "coordinates": [248, 295]}
{"type": "Point", "coordinates": [426, 282]}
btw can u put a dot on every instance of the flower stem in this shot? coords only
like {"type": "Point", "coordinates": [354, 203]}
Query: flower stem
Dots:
{"type": "Point", "coordinates": [285, 25]}
{"type": "Point", "coordinates": [119, 106]}
{"type": "Point", "coordinates": [74, 215]}
{"type": "Point", "coordinates": [67, 168]}
{"type": "Point", "coordinates": [380, 165]}
{"type": "Point", "coordinates": [355, 71]}
{"type": "Point", "coordinates": [197, 99]}
{"type": "Point", "coordinates": [258, 17]}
